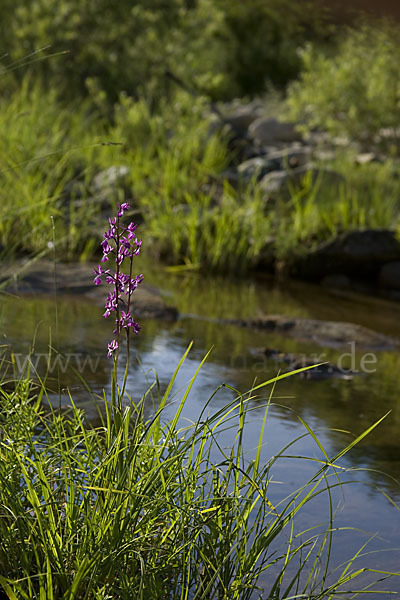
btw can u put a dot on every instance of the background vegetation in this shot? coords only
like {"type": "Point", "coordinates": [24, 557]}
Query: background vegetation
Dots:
{"type": "Point", "coordinates": [148, 77]}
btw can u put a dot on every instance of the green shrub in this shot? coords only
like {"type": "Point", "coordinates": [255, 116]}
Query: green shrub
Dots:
{"type": "Point", "coordinates": [222, 49]}
{"type": "Point", "coordinates": [118, 46]}
{"type": "Point", "coordinates": [264, 37]}
{"type": "Point", "coordinates": [355, 89]}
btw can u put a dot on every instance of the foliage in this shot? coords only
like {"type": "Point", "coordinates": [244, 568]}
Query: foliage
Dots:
{"type": "Point", "coordinates": [142, 508]}
{"type": "Point", "coordinates": [222, 49]}
{"type": "Point", "coordinates": [264, 39]}
{"type": "Point", "coordinates": [190, 214]}
{"type": "Point", "coordinates": [107, 48]}
{"type": "Point", "coordinates": [353, 90]}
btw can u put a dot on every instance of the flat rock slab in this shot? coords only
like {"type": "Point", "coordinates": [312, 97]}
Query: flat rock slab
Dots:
{"type": "Point", "coordinates": [41, 278]}
{"type": "Point", "coordinates": [333, 334]}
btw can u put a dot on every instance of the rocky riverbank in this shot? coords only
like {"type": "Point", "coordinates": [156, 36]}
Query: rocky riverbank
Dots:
{"type": "Point", "coordinates": [286, 168]}
{"type": "Point", "coordinates": [280, 160]}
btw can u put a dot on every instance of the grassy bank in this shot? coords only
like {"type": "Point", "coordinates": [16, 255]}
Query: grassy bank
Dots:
{"type": "Point", "coordinates": [173, 169]}
{"type": "Point", "coordinates": [147, 507]}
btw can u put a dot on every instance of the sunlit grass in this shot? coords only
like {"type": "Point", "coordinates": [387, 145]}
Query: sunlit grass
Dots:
{"type": "Point", "coordinates": [368, 197]}
{"type": "Point", "coordinates": [149, 507]}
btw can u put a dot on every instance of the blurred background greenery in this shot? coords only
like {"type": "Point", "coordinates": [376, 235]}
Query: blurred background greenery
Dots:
{"type": "Point", "coordinates": [139, 88]}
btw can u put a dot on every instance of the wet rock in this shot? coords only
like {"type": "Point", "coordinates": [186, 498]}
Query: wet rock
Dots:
{"type": "Point", "coordinates": [77, 279]}
{"type": "Point", "coordinates": [268, 130]}
{"type": "Point", "coordinates": [334, 334]}
{"type": "Point", "coordinates": [389, 276]}
{"type": "Point", "coordinates": [359, 254]}
{"type": "Point", "coordinates": [315, 370]}
{"type": "Point", "coordinates": [280, 183]}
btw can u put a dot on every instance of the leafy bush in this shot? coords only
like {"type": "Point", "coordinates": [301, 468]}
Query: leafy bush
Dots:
{"type": "Point", "coordinates": [354, 90]}
{"type": "Point", "coordinates": [220, 48]}
{"type": "Point", "coordinates": [114, 47]}
{"type": "Point", "coordinates": [264, 38]}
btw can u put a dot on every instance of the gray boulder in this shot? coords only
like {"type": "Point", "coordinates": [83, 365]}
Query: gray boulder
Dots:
{"type": "Point", "coordinates": [359, 254]}
{"type": "Point", "coordinates": [241, 117]}
{"type": "Point", "coordinates": [266, 131]}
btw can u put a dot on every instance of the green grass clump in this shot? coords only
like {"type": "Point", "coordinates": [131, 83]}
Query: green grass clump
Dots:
{"type": "Point", "coordinates": [366, 198]}
{"type": "Point", "coordinates": [44, 148]}
{"type": "Point", "coordinates": [143, 507]}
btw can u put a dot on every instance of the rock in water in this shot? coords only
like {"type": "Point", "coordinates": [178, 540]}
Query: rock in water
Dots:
{"type": "Point", "coordinates": [333, 334]}
{"type": "Point", "coordinates": [359, 254]}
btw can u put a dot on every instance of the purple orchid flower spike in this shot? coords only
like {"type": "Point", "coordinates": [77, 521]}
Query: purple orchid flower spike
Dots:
{"type": "Point", "coordinates": [120, 242]}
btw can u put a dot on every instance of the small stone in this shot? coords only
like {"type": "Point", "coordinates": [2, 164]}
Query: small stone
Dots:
{"type": "Point", "coordinates": [110, 178]}
{"type": "Point", "coordinates": [291, 157]}
{"type": "Point", "coordinates": [242, 117]}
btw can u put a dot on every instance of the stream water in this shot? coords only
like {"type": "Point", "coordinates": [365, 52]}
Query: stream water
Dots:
{"type": "Point", "coordinates": [332, 407]}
